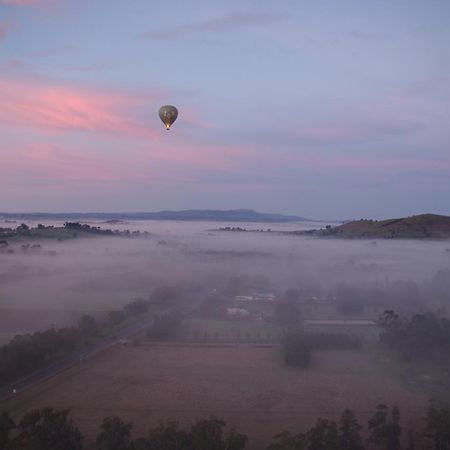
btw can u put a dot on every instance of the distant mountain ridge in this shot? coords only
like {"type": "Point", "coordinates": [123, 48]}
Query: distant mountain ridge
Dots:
{"type": "Point", "coordinates": [234, 215]}
{"type": "Point", "coordinates": [414, 227]}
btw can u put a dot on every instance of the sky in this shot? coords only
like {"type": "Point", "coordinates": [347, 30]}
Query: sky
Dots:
{"type": "Point", "coordinates": [322, 108]}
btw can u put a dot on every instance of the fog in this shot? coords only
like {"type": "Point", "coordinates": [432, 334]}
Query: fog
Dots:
{"type": "Point", "coordinates": [267, 330]}
{"type": "Point", "coordinates": [62, 280]}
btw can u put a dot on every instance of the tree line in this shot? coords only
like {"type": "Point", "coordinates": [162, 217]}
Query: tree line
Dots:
{"type": "Point", "coordinates": [50, 429]}
{"type": "Point", "coordinates": [26, 353]}
{"type": "Point", "coordinates": [421, 337]}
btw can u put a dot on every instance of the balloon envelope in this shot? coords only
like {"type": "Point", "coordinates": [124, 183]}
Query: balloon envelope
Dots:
{"type": "Point", "coordinates": [168, 114]}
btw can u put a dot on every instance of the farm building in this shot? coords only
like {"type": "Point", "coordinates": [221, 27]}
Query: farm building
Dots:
{"type": "Point", "coordinates": [237, 312]}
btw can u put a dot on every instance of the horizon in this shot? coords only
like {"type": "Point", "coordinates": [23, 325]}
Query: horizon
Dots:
{"type": "Point", "coordinates": [201, 210]}
{"type": "Point", "coordinates": [308, 108]}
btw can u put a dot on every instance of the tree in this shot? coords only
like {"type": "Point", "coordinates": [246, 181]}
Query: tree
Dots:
{"type": "Point", "coordinates": [115, 434]}
{"type": "Point", "coordinates": [6, 426]}
{"type": "Point", "coordinates": [136, 307]}
{"type": "Point", "coordinates": [323, 436]}
{"type": "Point", "coordinates": [437, 429]}
{"type": "Point", "coordinates": [421, 337]}
{"type": "Point", "coordinates": [88, 326]}
{"type": "Point", "coordinates": [385, 431]}
{"type": "Point", "coordinates": [166, 436]}
{"type": "Point", "coordinates": [166, 295]}
{"type": "Point", "coordinates": [288, 441]}
{"type": "Point", "coordinates": [116, 317]}
{"type": "Point", "coordinates": [45, 429]}
{"type": "Point", "coordinates": [23, 227]}
{"type": "Point", "coordinates": [207, 435]}
{"type": "Point", "coordinates": [349, 432]}
{"type": "Point", "coordinates": [297, 351]}
{"type": "Point", "coordinates": [235, 441]}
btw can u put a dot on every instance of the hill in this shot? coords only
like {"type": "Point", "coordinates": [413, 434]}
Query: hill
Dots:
{"type": "Point", "coordinates": [414, 227]}
{"type": "Point", "coordinates": [234, 215]}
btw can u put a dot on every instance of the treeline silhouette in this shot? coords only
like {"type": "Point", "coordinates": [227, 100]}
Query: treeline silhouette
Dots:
{"type": "Point", "coordinates": [50, 429]}
{"type": "Point", "coordinates": [421, 337]}
{"type": "Point", "coordinates": [29, 352]}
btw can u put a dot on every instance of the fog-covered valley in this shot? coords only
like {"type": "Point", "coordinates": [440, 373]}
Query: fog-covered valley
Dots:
{"type": "Point", "coordinates": [62, 280]}
{"type": "Point", "coordinates": [266, 330]}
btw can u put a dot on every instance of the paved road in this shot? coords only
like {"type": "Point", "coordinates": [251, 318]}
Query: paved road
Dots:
{"type": "Point", "coordinates": [74, 359]}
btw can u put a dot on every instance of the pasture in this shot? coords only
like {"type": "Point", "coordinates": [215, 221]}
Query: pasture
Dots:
{"type": "Point", "coordinates": [247, 385]}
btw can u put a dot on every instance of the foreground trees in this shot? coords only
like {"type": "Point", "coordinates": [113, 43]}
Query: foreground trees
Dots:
{"type": "Point", "coordinates": [45, 429]}
{"type": "Point", "coordinates": [6, 426]}
{"type": "Point", "coordinates": [165, 436]}
{"type": "Point", "coordinates": [204, 435]}
{"type": "Point", "coordinates": [350, 432]}
{"type": "Point", "coordinates": [325, 435]}
{"type": "Point", "coordinates": [49, 429]}
{"type": "Point", "coordinates": [384, 433]}
{"type": "Point", "coordinates": [385, 428]}
{"type": "Point", "coordinates": [437, 428]}
{"type": "Point", "coordinates": [114, 435]}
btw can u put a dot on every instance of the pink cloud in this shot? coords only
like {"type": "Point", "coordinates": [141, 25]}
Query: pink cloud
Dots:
{"type": "Point", "coordinates": [23, 2]}
{"type": "Point", "coordinates": [162, 162]}
{"type": "Point", "coordinates": [3, 31]}
{"type": "Point", "coordinates": [14, 65]}
{"type": "Point", "coordinates": [211, 157]}
{"type": "Point", "coordinates": [47, 164]}
{"type": "Point", "coordinates": [60, 107]}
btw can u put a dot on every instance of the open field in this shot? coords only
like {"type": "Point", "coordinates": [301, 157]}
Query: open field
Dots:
{"type": "Point", "coordinates": [246, 385]}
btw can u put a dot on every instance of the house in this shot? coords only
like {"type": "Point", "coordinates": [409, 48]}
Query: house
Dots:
{"type": "Point", "coordinates": [237, 312]}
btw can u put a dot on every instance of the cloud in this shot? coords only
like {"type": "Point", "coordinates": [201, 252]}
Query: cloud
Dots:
{"type": "Point", "coordinates": [228, 22]}
{"type": "Point", "coordinates": [358, 131]}
{"type": "Point", "coordinates": [369, 165]}
{"type": "Point", "coordinates": [15, 65]}
{"type": "Point", "coordinates": [55, 51]}
{"type": "Point", "coordinates": [4, 29]}
{"type": "Point", "coordinates": [361, 35]}
{"type": "Point", "coordinates": [24, 2]}
{"type": "Point", "coordinates": [48, 106]}
{"type": "Point", "coordinates": [97, 67]}
{"type": "Point", "coordinates": [46, 163]}
{"type": "Point", "coordinates": [163, 163]}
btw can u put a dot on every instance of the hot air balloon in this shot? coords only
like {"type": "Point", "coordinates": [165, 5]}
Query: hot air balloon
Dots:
{"type": "Point", "coordinates": [168, 114]}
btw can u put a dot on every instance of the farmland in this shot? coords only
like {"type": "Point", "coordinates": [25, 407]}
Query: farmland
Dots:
{"type": "Point", "coordinates": [245, 384]}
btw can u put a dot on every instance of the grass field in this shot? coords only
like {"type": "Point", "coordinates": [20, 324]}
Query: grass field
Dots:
{"type": "Point", "coordinates": [246, 385]}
